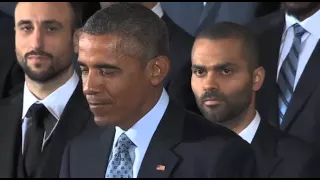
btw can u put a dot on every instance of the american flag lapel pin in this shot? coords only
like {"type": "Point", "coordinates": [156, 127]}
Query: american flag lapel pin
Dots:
{"type": "Point", "coordinates": [161, 167]}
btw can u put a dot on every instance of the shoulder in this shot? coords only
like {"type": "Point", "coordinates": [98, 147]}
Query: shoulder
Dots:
{"type": "Point", "coordinates": [209, 133]}
{"type": "Point", "coordinates": [265, 23]}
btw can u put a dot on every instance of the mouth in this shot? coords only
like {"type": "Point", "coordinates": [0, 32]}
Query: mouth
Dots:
{"type": "Point", "coordinates": [211, 102]}
{"type": "Point", "coordinates": [98, 104]}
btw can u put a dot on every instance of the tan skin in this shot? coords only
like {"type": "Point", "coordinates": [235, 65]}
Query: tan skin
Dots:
{"type": "Point", "coordinates": [221, 65]}
{"type": "Point", "coordinates": [119, 88]}
{"type": "Point", "coordinates": [46, 27]}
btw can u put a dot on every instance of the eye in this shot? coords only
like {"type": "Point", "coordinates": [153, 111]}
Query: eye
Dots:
{"type": "Point", "coordinates": [84, 70]}
{"type": "Point", "coordinates": [52, 29]}
{"type": "Point", "coordinates": [108, 72]}
{"type": "Point", "coordinates": [199, 72]}
{"type": "Point", "coordinates": [26, 28]}
{"type": "Point", "coordinates": [226, 71]}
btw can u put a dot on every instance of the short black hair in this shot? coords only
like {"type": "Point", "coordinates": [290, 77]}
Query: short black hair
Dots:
{"type": "Point", "coordinates": [138, 28]}
{"type": "Point", "coordinates": [230, 30]}
{"type": "Point", "coordinates": [77, 13]}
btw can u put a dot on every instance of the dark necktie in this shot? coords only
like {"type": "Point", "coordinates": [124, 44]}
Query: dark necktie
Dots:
{"type": "Point", "coordinates": [34, 138]}
{"type": "Point", "coordinates": [288, 72]}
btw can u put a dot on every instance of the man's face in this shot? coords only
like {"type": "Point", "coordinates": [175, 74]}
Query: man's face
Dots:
{"type": "Point", "coordinates": [115, 83]}
{"type": "Point", "coordinates": [44, 39]}
{"type": "Point", "coordinates": [221, 81]}
{"type": "Point", "coordinates": [300, 8]}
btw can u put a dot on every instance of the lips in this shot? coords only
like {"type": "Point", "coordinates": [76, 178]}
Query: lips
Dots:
{"type": "Point", "coordinates": [211, 101]}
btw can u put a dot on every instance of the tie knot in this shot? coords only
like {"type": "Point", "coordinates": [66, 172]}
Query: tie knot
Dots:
{"type": "Point", "coordinates": [38, 113]}
{"type": "Point", "coordinates": [124, 143]}
{"type": "Point", "coordinates": [298, 30]}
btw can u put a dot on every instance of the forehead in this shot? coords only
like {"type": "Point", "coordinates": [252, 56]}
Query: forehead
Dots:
{"type": "Point", "coordinates": [211, 52]}
{"type": "Point", "coordinates": [40, 11]}
{"type": "Point", "coordinates": [106, 48]}
{"type": "Point", "coordinates": [98, 43]}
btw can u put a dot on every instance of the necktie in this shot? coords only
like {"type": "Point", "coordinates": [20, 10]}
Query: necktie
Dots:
{"type": "Point", "coordinates": [34, 138]}
{"type": "Point", "coordinates": [121, 164]}
{"type": "Point", "coordinates": [288, 72]}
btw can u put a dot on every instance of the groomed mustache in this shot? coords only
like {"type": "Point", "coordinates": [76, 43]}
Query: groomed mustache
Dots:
{"type": "Point", "coordinates": [211, 94]}
{"type": "Point", "coordinates": [38, 53]}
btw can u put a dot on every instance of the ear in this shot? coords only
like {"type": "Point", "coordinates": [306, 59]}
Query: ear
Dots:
{"type": "Point", "coordinates": [258, 78]}
{"type": "Point", "coordinates": [158, 69]}
{"type": "Point", "coordinates": [76, 41]}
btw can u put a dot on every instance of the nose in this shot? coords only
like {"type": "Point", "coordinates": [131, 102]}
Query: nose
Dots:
{"type": "Point", "coordinates": [91, 84]}
{"type": "Point", "coordinates": [36, 39]}
{"type": "Point", "coordinates": [210, 82]}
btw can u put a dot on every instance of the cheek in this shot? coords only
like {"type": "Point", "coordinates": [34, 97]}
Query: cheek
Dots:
{"type": "Point", "coordinates": [195, 86]}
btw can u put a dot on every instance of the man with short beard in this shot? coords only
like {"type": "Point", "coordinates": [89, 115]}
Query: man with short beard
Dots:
{"type": "Point", "coordinates": [290, 52]}
{"type": "Point", "coordinates": [225, 78]}
{"type": "Point", "coordinates": [36, 124]}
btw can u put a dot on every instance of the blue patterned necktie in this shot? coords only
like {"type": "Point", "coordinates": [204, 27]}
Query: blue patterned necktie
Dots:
{"type": "Point", "coordinates": [288, 71]}
{"type": "Point", "coordinates": [121, 164]}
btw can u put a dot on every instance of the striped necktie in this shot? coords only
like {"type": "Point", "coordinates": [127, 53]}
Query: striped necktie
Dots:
{"type": "Point", "coordinates": [288, 71]}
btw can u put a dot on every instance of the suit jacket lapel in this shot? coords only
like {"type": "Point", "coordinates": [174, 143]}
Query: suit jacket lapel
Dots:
{"type": "Point", "coordinates": [304, 87]}
{"type": "Point", "coordinates": [265, 146]}
{"type": "Point", "coordinates": [270, 42]}
{"type": "Point", "coordinates": [10, 136]}
{"type": "Point", "coordinates": [101, 150]}
{"type": "Point", "coordinates": [161, 148]}
{"type": "Point", "coordinates": [73, 119]}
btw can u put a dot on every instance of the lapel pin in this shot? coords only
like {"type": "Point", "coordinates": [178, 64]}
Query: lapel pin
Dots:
{"type": "Point", "coordinates": [161, 167]}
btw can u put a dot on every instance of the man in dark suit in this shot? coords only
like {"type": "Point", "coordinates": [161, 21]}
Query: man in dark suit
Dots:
{"type": "Point", "coordinates": [193, 17]}
{"type": "Point", "coordinates": [225, 77]}
{"type": "Point", "coordinates": [289, 98]}
{"type": "Point", "coordinates": [11, 74]}
{"type": "Point", "coordinates": [123, 51]}
{"type": "Point", "coordinates": [180, 42]}
{"type": "Point", "coordinates": [37, 123]}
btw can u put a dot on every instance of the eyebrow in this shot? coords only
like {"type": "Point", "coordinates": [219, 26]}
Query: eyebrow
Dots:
{"type": "Point", "coordinates": [217, 66]}
{"type": "Point", "coordinates": [46, 22]}
{"type": "Point", "coordinates": [101, 66]}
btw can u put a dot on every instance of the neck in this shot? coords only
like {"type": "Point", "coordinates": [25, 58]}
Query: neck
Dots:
{"type": "Point", "coordinates": [42, 90]}
{"type": "Point", "coordinates": [145, 107]}
{"type": "Point", "coordinates": [150, 5]}
{"type": "Point", "coordinates": [243, 120]}
{"type": "Point", "coordinates": [305, 16]}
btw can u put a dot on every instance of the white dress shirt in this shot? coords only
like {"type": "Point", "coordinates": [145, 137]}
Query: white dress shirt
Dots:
{"type": "Point", "coordinates": [55, 103]}
{"type": "Point", "coordinates": [250, 131]}
{"type": "Point", "coordinates": [141, 133]}
{"type": "Point", "coordinates": [308, 41]}
{"type": "Point", "coordinates": [158, 10]}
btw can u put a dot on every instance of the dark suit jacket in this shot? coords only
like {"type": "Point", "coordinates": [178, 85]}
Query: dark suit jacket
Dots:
{"type": "Point", "coordinates": [74, 119]}
{"type": "Point", "coordinates": [11, 74]}
{"type": "Point", "coordinates": [193, 17]}
{"type": "Point", "coordinates": [180, 48]}
{"type": "Point", "coordinates": [302, 118]}
{"type": "Point", "coordinates": [280, 155]}
{"type": "Point", "coordinates": [186, 144]}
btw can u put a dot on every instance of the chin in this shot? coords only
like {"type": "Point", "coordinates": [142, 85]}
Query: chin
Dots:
{"type": "Point", "coordinates": [104, 121]}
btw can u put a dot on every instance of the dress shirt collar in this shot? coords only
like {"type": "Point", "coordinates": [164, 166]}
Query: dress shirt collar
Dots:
{"type": "Point", "coordinates": [311, 24]}
{"type": "Point", "coordinates": [158, 10]}
{"type": "Point", "coordinates": [141, 133]}
{"type": "Point", "coordinates": [250, 131]}
{"type": "Point", "coordinates": [55, 102]}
